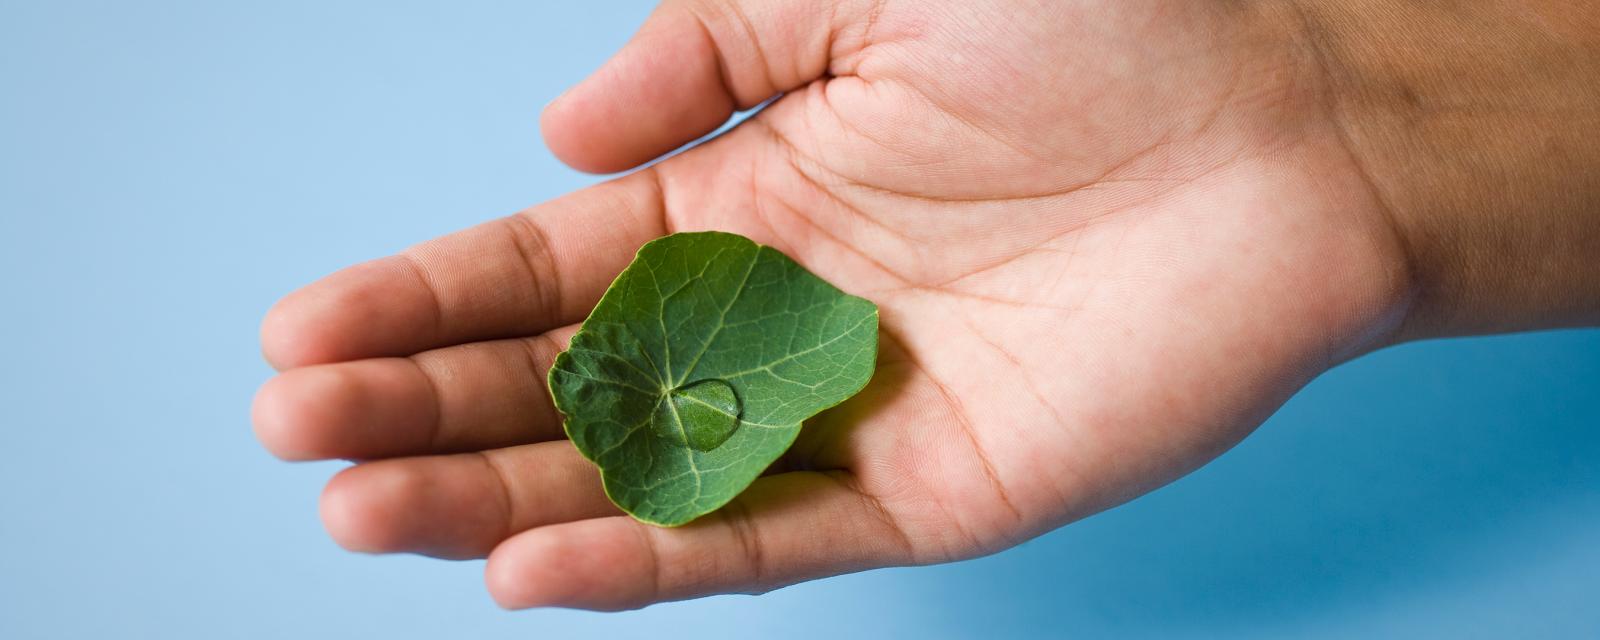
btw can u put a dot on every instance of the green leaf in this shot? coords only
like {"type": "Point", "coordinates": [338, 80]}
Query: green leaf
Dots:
{"type": "Point", "coordinates": [698, 366]}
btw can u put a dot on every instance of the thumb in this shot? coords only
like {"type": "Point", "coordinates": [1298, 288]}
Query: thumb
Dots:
{"type": "Point", "coordinates": [687, 69]}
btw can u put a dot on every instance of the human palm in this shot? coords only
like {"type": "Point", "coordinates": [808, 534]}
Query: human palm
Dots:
{"type": "Point", "coordinates": [1106, 239]}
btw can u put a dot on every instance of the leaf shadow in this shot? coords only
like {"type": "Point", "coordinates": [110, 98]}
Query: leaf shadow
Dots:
{"type": "Point", "coordinates": [830, 439]}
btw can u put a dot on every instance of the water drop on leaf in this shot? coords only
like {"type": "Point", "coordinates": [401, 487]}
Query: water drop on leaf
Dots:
{"type": "Point", "coordinates": [701, 415]}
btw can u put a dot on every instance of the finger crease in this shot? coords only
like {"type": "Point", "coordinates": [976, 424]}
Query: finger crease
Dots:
{"type": "Point", "coordinates": [737, 516]}
{"type": "Point", "coordinates": [536, 364]}
{"type": "Point", "coordinates": [437, 438]}
{"type": "Point", "coordinates": [433, 291]}
{"type": "Point", "coordinates": [502, 480]}
{"type": "Point", "coordinates": [658, 182]}
{"type": "Point", "coordinates": [648, 540]}
{"type": "Point", "coordinates": [724, 73]}
{"type": "Point", "coordinates": [754, 38]}
{"type": "Point", "coordinates": [533, 244]}
{"type": "Point", "coordinates": [875, 506]}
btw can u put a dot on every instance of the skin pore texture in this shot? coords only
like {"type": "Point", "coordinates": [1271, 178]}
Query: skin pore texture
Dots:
{"type": "Point", "coordinates": [1106, 239]}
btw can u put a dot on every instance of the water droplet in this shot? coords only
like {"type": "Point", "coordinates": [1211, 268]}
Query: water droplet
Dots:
{"type": "Point", "coordinates": [700, 415]}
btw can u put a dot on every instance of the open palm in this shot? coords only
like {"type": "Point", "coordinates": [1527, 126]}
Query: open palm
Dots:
{"type": "Point", "coordinates": [1107, 239]}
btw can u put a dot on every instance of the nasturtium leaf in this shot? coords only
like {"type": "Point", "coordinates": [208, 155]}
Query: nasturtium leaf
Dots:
{"type": "Point", "coordinates": [698, 366]}
{"type": "Point", "coordinates": [701, 415]}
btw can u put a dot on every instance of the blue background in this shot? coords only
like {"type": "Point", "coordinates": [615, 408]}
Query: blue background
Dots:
{"type": "Point", "coordinates": [168, 170]}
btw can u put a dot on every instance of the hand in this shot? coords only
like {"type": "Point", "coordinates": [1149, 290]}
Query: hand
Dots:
{"type": "Point", "coordinates": [1107, 240]}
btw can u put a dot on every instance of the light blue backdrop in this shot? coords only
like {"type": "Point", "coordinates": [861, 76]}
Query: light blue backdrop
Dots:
{"type": "Point", "coordinates": [169, 169]}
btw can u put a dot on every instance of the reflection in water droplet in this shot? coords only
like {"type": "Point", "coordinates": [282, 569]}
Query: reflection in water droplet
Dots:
{"type": "Point", "coordinates": [701, 415]}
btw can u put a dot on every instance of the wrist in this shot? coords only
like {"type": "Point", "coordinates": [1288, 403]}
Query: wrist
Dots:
{"type": "Point", "coordinates": [1478, 132]}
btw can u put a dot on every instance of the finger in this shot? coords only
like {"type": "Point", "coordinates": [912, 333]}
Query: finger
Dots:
{"type": "Point", "coordinates": [460, 506]}
{"type": "Point", "coordinates": [690, 65]}
{"type": "Point", "coordinates": [517, 276]}
{"type": "Point", "coordinates": [481, 395]}
{"type": "Point", "coordinates": [783, 529]}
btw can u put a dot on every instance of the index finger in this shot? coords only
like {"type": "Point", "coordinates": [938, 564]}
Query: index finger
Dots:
{"type": "Point", "coordinates": [520, 275]}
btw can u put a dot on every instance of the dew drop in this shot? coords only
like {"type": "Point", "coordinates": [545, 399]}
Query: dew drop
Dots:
{"type": "Point", "coordinates": [701, 415]}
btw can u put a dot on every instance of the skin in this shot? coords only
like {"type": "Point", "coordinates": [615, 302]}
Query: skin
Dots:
{"type": "Point", "coordinates": [1107, 239]}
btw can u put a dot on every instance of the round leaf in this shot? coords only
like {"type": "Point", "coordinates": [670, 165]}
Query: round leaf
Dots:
{"type": "Point", "coordinates": [698, 366]}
